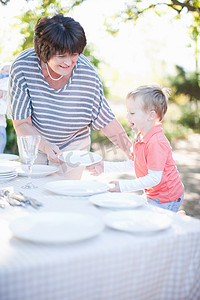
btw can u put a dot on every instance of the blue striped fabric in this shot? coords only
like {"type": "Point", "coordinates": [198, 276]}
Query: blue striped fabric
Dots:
{"type": "Point", "coordinates": [63, 115]}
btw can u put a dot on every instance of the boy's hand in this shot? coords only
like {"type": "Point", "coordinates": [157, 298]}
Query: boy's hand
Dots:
{"type": "Point", "coordinates": [96, 169]}
{"type": "Point", "coordinates": [114, 188]}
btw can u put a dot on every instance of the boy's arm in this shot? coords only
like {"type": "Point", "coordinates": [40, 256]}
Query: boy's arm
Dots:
{"type": "Point", "coordinates": [153, 178]}
{"type": "Point", "coordinates": [119, 166]}
{"type": "Point", "coordinates": [111, 167]}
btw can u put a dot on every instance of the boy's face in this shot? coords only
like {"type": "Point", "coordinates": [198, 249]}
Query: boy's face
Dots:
{"type": "Point", "coordinates": [137, 116]}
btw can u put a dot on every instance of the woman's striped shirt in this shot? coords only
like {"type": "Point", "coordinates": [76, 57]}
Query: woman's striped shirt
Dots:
{"type": "Point", "coordinates": [64, 115]}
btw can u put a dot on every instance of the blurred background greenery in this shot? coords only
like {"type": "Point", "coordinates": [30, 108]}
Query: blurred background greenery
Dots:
{"type": "Point", "coordinates": [183, 116]}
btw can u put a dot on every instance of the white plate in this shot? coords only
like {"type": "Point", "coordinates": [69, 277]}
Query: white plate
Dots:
{"type": "Point", "coordinates": [80, 158]}
{"type": "Point", "coordinates": [56, 227]}
{"type": "Point", "coordinates": [8, 163]}
{"type": "Point", "coordinates": [76, 187]}
{"type": "Point", "coordinates": [8, 156]}
{"type": "Point", "coordinates": [118, 200]}
{"type": "Point", "coordinates": [13, 174]}
{"type": "Point", "coordinates": [138, 221]}
{"type": "Point", "coordinates": [6, 170]}
{"type": "Point", "coordinates": [38, 170]}
{"type": "Point", "coordinates": [8, 178]}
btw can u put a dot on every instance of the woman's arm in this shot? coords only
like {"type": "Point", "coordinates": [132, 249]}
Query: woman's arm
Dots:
{"type": "Point", "coordinates": [25, 127]}
{"type": "Point", "coordinates": [117, 135]}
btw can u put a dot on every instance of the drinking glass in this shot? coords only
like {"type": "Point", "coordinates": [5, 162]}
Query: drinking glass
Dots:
{"type": "Point", "coordinates": [29, 145]}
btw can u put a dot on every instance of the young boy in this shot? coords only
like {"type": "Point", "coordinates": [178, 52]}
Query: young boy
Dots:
{"type": "Point", "coordinates": [152, 154]}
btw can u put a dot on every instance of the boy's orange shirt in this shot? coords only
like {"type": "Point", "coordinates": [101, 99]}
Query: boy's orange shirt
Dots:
{"type": "Point", "coordinates": [154, 152]}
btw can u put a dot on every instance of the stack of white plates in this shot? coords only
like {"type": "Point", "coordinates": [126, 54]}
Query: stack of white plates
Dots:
{"type": "Point", "coordinates": [5, 156]}
{"type": "Point", "coordinates": [7, 173]}
{"type": "Point", "coordinates": [37, 171]}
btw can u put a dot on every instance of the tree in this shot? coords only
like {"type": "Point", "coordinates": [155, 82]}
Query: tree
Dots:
{"type": "Point", "coordinates": [75, 2]}
{"type": "Point", "coordinates": [187, 84]}
{"type": "Point", "coordinates": [135, 9]}
{"type": "Point", "coordinates": [183, 83]}
{"type": "Point", "coordinates": [194, 32]}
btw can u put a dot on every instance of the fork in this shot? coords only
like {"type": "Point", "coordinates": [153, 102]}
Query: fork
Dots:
{"type": "Point", "coordinates": [14, 198]}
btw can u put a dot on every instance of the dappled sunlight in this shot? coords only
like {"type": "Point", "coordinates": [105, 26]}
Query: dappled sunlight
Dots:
{"type": "Point", "coordinates": [185, 158]}
{"type": "Point", "coordinates": [187, 151]}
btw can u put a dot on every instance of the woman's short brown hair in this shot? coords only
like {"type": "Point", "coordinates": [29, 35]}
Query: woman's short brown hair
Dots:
{"type": "Point", "coordinates": [58, 35]}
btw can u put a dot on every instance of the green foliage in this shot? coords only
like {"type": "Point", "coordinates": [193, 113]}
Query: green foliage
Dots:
{"type": "Point", "coordinates": [47, 2]}
{"type": "Point", "coordinates": [186, 83]}
{"type": "Point", "coordinates": [173, 130]}
{"type": "Point", "coordinates": [135, 9]}
{"type": "Point", "coordinates": [4, 2]}
{"type": "Point", "coordinates": [190, 119]}
{"type": "Point", "coordinates": [11, 145]}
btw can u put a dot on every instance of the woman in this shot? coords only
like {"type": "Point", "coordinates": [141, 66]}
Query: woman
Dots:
{"type": "Point", "coordinates": [55, 92]}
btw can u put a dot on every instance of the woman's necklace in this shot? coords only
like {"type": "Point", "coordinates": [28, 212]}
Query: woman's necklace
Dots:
{"type": "Point", "coordinates": [55, 79]}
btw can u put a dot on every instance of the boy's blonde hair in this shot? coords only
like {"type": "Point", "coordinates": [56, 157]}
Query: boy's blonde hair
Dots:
{"type": "Point", "coordinates": [153, 98]}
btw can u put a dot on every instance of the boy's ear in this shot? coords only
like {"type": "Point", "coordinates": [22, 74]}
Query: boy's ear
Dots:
{"type": "Point", "coordinates": [153, 115]}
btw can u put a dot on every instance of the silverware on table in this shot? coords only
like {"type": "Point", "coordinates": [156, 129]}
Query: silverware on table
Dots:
{"type": "Point", "coordinates": [32, 201]}
{"type": "Point", "coordinates": [19, 199]}
{"type": "Point", "coordinates": [4, 200]}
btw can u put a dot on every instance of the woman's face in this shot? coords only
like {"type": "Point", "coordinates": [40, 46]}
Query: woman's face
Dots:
{"type": "Point", "coordinates": [63, 64]}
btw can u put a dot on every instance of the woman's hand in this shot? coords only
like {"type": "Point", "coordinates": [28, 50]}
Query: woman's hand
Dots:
{"type": "Point", "coordinates": [96, 169]}
{"type": "Point", "coordinates": [25, 127]}
{"type": "Point", "coordinates": [116, 187]}
{"type": "Point", "coordinates": [52, 151]}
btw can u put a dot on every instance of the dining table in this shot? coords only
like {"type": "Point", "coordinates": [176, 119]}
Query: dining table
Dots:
{"type": "Point", "coordinates": [109, 265]}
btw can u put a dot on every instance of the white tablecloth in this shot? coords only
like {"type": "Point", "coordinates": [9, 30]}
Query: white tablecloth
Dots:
{"type": "Point", "coordinates": [112, 266]}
